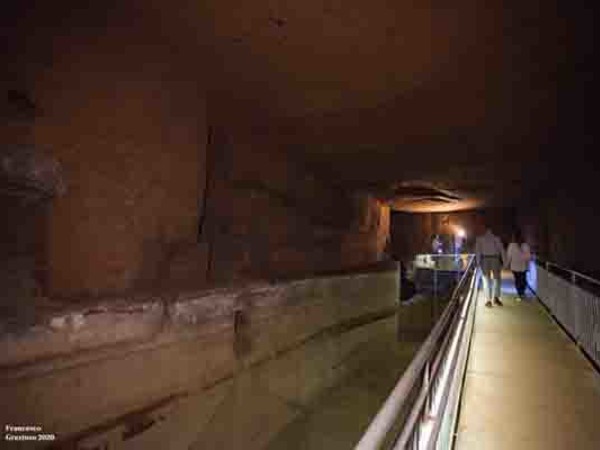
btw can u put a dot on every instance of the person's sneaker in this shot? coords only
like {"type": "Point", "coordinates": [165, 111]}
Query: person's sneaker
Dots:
{"type": "Point", "coordinates": [497, 302]}
{"type": "Point", "coordinates": [518, 299]}
{"type": "Point", "coordinates": [488, 304]}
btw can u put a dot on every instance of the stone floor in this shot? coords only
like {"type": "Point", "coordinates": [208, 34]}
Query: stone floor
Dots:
{"type": "Point", "coordinates": [527, 385]}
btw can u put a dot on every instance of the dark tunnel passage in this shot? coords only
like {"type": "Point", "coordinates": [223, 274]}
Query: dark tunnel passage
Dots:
{"type": "Point", "coordinates": [228, 189]}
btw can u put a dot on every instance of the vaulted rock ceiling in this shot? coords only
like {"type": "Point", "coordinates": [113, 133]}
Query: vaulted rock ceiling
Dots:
{"type": "Point", "coordinates": [458, 97]}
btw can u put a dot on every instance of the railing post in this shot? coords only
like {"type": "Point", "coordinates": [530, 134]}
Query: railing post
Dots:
{"type": "Point", "coordinates": [572, 290]}
{"type": "Point", "coordinates": [427, 375]}
{"type": "Point", "coordinates": [399, 284]}
{"type": "Point", "coordinates": [574, 308]}
{"type": "Point", "coordinates": [548, 300]}
{"type": "Point", "coordinates": [435, 281]}
{"type": "Point", "coordinates": [435, 294]}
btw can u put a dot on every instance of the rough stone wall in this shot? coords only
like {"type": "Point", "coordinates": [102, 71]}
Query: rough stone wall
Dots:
{"type": "Point", "coordinates": [21, 227]}
{"type": "Point", "coordinates": [410, 234]}
{"type": "Point", "coordinates": [128, 127]}
{"type": "Point", "coordinates": [135, 172]}
{"type": "Point", "coordinates": [22, 258]}
{"type": "Point", "coordinates": [564, 228]}
{"type": "Point", "coordinates": [135, 162]}
{"type": "Point", "coordinates": [23, 206]}
{"type": "Point", "coordinates": [266, 215]}
{"type": "Point", "coordinates": [139, 143]}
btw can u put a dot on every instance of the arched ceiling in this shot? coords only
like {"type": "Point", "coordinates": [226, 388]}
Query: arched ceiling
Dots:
{"type": "Point", "coordinates": [459, 97]}
{"type": "Point", "coordinates": [317, 56]}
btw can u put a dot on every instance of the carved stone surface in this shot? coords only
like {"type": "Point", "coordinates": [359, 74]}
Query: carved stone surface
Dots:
{"type": "Point", "coordinates": [29, 172]}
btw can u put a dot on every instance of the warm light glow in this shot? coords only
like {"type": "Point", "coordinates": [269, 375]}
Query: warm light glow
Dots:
{"type": "Point", "coordinates": [423, 206]}
{"type": "Point", "coordinates": [461, 233]}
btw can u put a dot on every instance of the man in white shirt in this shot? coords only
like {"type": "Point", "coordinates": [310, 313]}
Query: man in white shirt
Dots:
{"type": "Point", "coordinates": [490, 256]}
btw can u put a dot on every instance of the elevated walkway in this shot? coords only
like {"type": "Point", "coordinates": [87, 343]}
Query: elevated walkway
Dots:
{"type": "Point", "coordinates": [527, 385]}
{"type": "Point", "coordinates": [528, 371]}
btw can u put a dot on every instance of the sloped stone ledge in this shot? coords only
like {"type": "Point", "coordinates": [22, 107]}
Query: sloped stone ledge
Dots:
{"type": "Point", "coordinates": [159, 320]}
{"type": "Point", "coordinates": [98, 363]}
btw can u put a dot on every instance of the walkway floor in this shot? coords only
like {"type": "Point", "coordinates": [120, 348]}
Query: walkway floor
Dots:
{"type": "Point", "coordinates": [527, 385]}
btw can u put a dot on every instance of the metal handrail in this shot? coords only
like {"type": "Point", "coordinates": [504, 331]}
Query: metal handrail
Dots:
{"type": "Point", "coordinates": [456, 334]}
{"type": "Point", "coordinates": [573, 273]}
{"type": "Point", "coordinates": [462, 326]}
{"type": "Point", "coordinates": [440, 254]}
{"type": "Point", "coordinates": [575, 306]}
{"type": "Point", "coordinates": [425, 365]}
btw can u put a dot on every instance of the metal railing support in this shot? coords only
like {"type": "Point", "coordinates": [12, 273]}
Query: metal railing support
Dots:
{"type": "Point", "coordinates": [577, 310]}
{"type": "Point", "coordinates": [430, 362]}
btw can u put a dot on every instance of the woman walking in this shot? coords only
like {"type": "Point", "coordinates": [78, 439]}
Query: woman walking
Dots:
{"type": "Point", "coordinates": [518, 256]}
